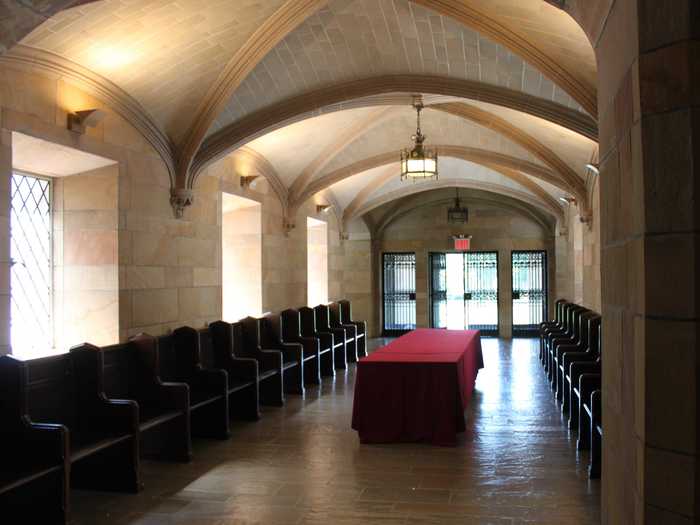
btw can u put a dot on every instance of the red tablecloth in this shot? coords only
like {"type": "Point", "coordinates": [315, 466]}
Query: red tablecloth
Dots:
{"type": "Point", "coordinates": [417, 387]}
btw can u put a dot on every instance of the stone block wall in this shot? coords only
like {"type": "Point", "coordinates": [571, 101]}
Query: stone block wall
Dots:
{"type": "Point", "coordinates": [492, 228]}
{"type": "Point", "coordinates": [168, 270]}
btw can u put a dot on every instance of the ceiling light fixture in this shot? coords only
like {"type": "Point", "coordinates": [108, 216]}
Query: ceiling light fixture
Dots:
{"type": "Point", "coordinates": [419, 162]}
{"type": "Point", "coordinates": [323, 208]}
{"type": "Point", "coordinates": [457, 214]}
{"type": "Point", "coordinates": [568, 200]}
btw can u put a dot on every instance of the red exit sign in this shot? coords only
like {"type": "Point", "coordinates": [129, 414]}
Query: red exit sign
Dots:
{"type": "Point", "coordinates": [462, 244]}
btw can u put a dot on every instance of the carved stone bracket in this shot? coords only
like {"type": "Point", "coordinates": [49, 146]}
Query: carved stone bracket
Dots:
{"type": "Point", "coordinates": [180, 198]}
{"type": "Point", "coordinates": [288, 225]}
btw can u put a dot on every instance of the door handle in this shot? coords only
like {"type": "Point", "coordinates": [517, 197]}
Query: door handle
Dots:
{"type": "Point", "coordinates": [467, 296]}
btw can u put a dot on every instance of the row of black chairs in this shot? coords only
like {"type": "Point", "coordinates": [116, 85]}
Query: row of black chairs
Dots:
{"type": "Point", "coordinates": [84, 419]}
{"type": "Point", "coordinates": [570, 352]}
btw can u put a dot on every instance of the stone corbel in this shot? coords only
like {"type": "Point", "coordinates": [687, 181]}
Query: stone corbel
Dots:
{"type": "Point", "coordinates": [288, 225]}
{"type": "Point", "coordinates": [587, 219]}
{"type": "Point", "coordinates": [180, 198]}
{"type": "Point", "coordinates": [344, 236]}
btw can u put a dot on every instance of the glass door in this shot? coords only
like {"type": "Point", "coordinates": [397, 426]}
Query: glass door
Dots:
{"type": "Point", "coordinates": [464, 291]}
{"type": "Point", "coordinates": [481, 291]}
{"type": "Point", "coordinates": [529, 290]}
{"type": "Point", "coordinates": [399, 293]}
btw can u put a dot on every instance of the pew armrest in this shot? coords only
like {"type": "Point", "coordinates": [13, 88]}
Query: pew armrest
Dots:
{"type": "Point", "coordinates": [118, 416]}
{"type": "Point", "coordinates": [271, 359]}
{"type": "Point", "coordinates": [577, 363]}
{"type": "Point", "coordinates": [596, 408]}
{"type": "Point", "coordinates": [292, 352]}
{"type": "Point", "coordinates": [173, 396]}
{"type": "Point", "coordinates": [587, 384]}
{"type": "Point", "coordinates": [38, 445]}
{"type": "Point", "coordinates": [214, 381]}
{"type": "Point", "coordinates": [244, 368]}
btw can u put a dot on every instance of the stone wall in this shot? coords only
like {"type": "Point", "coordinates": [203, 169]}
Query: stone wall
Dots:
{"type": "Point", "coordinates": [169, 270]}
{"type": "Point", "coordinates": [648, 95]}
{"type": "Point", "coordinates": [85, 257]}
{"type": "Point", "coordinates": [492, 228]}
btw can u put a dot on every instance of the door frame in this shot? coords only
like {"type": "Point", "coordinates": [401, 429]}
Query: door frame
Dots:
{"type": "Point", "coordinates": [488, 333]}
{"type": "Point", "coordinates": [531, 332]}
{"type": "Point", "coordinates": [394, 333]}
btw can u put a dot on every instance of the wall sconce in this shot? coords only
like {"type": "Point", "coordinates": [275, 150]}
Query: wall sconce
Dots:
{"type": "Point", "coordinates": [323, 208]}
{"type": "Point", "coordinates": [248, 180]}
{"type": "Point", "coordinates": [79, 121]}
{"type": "Point", "coordinates": [595, 168]}
{"type": "Point", "coordinates": [568, 200]}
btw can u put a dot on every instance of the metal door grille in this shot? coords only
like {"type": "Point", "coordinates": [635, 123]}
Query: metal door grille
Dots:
{"type": "Point", "coordinates": [399, 297]}
{"type": "Point", "coordinates": [529, 291]}
{"type": "Point", "coordinates": [31, 280]}
{"type": "Point", "coordinates": [481, 291]}
{"type": "Point", "coordinates": [438, 290]}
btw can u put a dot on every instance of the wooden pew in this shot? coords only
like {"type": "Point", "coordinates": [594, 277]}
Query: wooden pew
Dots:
{"type": "Point", "coordinates": [581, 345]}
{"type": "Point", "coordinates": [334, 318]}
{"type": "Point", "coordinates": [246, 343]}
{"type": "Point", "coordinates": [567, 336]}
{"type": "Point", "coordinates": [586, 377]}
{"type": "Point", "coordinates": [216, 348]}
{"type": "Point", "coordinates": [103, 434]}
{"type": "Point", "coordinates": [322, 321]}
{"type": "Point", "coordinates": [290, 323]}
{"type": "Point", "coordinates": [34, 478]}
{"type": "Point", "coordinates": [132, 371]}
{"type": "Point", "coordinates": [329, 346]}
{"type": "Point", "coordinates": [288, 331]}
{"type": "Point", "coordinates": [576, 363]}
{"type": "Point", "coordinates": [180, 361]}
{"type": "Point", "coordinates": [551, 325]}
{"type": "Point", "coordinates": [294, 361]}
{"type": "Point", "coordinates": [346, 318]}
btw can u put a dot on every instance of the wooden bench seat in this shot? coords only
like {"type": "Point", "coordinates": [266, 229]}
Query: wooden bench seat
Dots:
{"type": "Point", "coordinates": [361, 326]}
{"type": "Point", "coordinates": [244, 376]}
{"type": "Point", "coordinates": [301, 358]}
{"type": "Point", "coordinates": [181, 362]}
{"type": "Point", "coordinates": [290, 327]}
{"type": "Point", "coordinates": [34, 477]}
{"type": "Point", "coordinates": [351, 336]}
{"type": "Point", "coordinates": [132, 371]}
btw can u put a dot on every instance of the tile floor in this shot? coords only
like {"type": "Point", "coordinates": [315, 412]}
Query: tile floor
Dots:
{"type": "Point", "coordinates": [303, 465]}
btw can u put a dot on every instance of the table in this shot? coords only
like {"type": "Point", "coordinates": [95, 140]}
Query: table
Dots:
{"type": "Point", "coordinates": [417, 387]}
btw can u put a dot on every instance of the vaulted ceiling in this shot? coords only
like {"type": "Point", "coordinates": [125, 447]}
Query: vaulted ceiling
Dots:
{"type": "Point", "coordinates": [318, 92]}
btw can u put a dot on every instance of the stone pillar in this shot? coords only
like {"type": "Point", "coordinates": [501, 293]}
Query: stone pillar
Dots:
{"type": "Point", "coordinates": [649, 134]}
{"type": "Point", "coordinates": [5, 204]}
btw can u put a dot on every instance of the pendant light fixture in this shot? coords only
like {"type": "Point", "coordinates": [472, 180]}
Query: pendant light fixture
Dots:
{"type": "Point", "coordinates": [419, 162]}
{"type": "Point", "coordinates": [457, 214]}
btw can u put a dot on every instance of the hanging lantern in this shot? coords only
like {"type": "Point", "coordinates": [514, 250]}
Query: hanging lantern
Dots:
{"type": "Point", "coordinates": [419, 162]}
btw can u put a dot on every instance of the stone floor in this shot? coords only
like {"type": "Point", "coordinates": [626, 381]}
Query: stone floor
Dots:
{"type": "Point", "coordinates": [302, 464]}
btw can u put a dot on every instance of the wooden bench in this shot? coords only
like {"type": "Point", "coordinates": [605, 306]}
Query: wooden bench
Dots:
{"type": "Point", "coordinates": [586, 378]}
{"type": "Point", "coordinates": [34, 478]}
{"type": "Point", "coordinates": [132, 371]}
{"type": "Point", "coordinates": [290, 322]}
{"type": "Point", "coordinates": [577, 363]}
{"type": "Point", "coordinates": [217, 350]}
{"type": "Point", "coordinates": [551, 325]}
{"type": "Point", "coordinates": [294, 360]}
{"type": "Point", "coordinates": [327, 341]}
{"type": "Point", "coordinates": [580, 345]}
{"type": "Point", "coordinates": [246, 343]}
{"type": "Point", "coordinates": [334, 318]}
{"type": "Point", "coordinates": [180, 361]}
{"type": "Point", "coordinates": [346, 318]}
{"type": "Point", "coordinates": [322, 321]}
